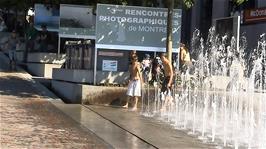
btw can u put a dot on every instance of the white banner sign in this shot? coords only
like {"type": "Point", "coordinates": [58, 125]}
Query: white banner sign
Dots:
{"type": "Point", "coordinates": [109, 65]}
{"type": "Point", "coordinates": [135, 28]}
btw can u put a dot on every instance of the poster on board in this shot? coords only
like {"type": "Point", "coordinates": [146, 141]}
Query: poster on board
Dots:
{"type": "Point", "coordinates": [109, 65]}
{"type": "Point", "coordinates": [139, 28]}
{"type": "Point", "coordinates": [77, 21]}
{"type": "Point", "coordinates": [47, 15]}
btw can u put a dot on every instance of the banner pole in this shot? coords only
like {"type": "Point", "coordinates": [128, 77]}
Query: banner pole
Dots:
{"type": "Point", "coordinates": [95, 67]}
{"type": "Point", "coordinates": [238, 34]}
{"type": "Point", "coordinates": [59, 44]}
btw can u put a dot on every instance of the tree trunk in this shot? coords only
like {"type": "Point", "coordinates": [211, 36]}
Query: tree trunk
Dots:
{"type": "Point", "coordinates": [169, 40]}
{"type": "Point", "coordinates": [25, 55]}
{"type": "Point", "coordinates": [16, 19]}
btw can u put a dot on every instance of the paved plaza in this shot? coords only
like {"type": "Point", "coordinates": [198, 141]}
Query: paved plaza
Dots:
{"type": "Point", "coordinates": [31, 117]}
{"type": "Point", "coordinates": [28, 120]}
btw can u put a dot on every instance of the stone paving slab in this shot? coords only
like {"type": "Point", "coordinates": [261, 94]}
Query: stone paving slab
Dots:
{"type": "Point", "coordinates": [28, 120]}
{"type": "Point", "coordinates": [111, 133]}
{"type": "Point", "coordinates": [155, 132]}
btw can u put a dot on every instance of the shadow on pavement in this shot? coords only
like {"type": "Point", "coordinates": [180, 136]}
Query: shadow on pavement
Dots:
{"type": "Point", "coordinates": [16, 86]}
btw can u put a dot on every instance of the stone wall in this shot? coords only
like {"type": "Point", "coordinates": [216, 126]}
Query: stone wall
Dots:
{"type": "Point", "coordinates": [104, 95]}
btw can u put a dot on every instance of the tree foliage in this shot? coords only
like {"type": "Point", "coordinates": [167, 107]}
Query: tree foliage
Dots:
{"type": "Point", "coordinates": [20, 4]}
{"type": "Point", "coordinates": [238, 2]}
{"type": "Point", "coordinates": [189, 3]}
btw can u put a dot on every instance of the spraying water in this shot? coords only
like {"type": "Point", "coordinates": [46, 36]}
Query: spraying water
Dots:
{"type": "Point", "coordinates": [222, 99]}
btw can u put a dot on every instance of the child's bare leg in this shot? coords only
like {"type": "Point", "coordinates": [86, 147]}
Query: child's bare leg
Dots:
{"type": "Point", "coordinates": [126, 105]}
{"type": "Point", "coordinates": [136, 104]}
{"type": "Point", "coordinates": [163, 102]}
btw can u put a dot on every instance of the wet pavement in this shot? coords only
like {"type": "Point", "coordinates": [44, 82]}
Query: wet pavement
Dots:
{"type": "Point", "coordinates": [156, 132]}
{"type": "Point", "coordinates": [37, 128]}
{"type": "Point", "coordinates": [105, 129]}
{"type": "Point", "coordinates": [29, 121]}
{"type": "Point", "coordinates": [33, 117]}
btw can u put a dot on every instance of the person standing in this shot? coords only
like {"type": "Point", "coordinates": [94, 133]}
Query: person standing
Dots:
{"type": "Point", "coordinates": [132, 54]}
{"type": "Point", "coordinates": [2, 24]}
{"type": "Point", "coordinates": [156, 70]}
{"type": "Point", "coordinates": [146, 67]}
{"type": "Point", "coordinates": [44, 38]}
{"type": "Point", "coordinates": [168, 81]}
{"type": "Point", "coordinates": [31, 34]}
{"type": "Point", "coordinates": [12, 44]}
{"type": "Point", "coordinates": [134, 86]}
{"type": "Point", "coordinates": [168, 73]}
{"type": "Point", "coordinates": [184, 57]}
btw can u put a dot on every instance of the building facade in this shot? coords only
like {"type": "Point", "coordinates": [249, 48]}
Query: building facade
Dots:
{"type": "Point", "coordinates": [202, 14]}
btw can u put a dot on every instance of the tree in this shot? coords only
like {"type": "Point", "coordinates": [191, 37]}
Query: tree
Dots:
{"type": "Point", "coordinates": [169, 40]}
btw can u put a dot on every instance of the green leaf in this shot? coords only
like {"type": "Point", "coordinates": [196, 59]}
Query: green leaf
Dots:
{"type": "Point", "coordinates": [238, 2]}
{"type": "Point", "coordinates": [189, 3]}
